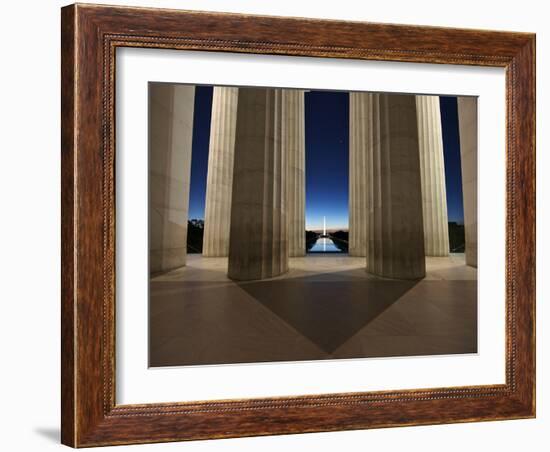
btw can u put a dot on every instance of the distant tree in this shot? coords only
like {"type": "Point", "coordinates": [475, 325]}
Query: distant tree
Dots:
{"type": "Point", "coordinates": [197, 223]}
{"type": "Point", "coordinates": [456, 237]}
{"type": "Point", "coordinates": [340, 239]}
{"type": "Point", "coordinates": [311, 238]}
{"type": "Point", "coordinates": [195, 234]}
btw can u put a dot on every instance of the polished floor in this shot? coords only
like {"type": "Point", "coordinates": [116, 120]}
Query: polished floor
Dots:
{"type": "Point", "coordinates": [325, 307]}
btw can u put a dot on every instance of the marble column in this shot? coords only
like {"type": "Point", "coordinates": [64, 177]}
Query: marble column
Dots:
{"type": "Point", "coordinates": [432, 172]}
{"type": "Point", "coordinates": [258, 238]}
{"type": "Point", "coordinates": [293, 142]}
{"type": "Point", "coordinates": [360, 143]}
{"type": "Point", "coordinates": [394, 201]}
{"type": "Point", "coordinates": [220, 172]}
{"type": "Point", "coordinates": [170, 143]}
{"type": "Point", "coordinates": [467, 123]}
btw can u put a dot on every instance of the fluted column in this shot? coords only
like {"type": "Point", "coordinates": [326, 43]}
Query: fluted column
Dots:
{"type": "Point", "coordinates": [220, 172]}
{"type": "Point", "coordinates": [293, 136]}
{"type": "Point", "coordinates": [467, 122]}
{"type": "Point", "coordinates": [432, 172]}
{"type": "Point", "coordinates": [360, 140]}
{"type": "Point", "coordinates": [394, 202]}
{"type": "Point", "coordinates": [171, 135]}
{"type": "Point", "coordinates": [258, 241]}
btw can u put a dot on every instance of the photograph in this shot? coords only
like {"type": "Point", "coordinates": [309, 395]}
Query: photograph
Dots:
{"type": "Point", "coordinates": [291, 226]}
{"type": "Point", "coordinates": [282, 222]}
{"type": "Point", "coordinates": [294, 224]}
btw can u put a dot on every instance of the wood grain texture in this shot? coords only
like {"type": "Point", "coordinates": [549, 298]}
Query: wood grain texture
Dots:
{"type": "Point", "coordinates": [68, 298]}
{"type": "Point", "coordinates": [90, 36]}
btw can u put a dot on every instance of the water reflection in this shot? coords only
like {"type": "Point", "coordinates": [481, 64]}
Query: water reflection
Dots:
{"type": "Point", "coordinates": [324, 245]}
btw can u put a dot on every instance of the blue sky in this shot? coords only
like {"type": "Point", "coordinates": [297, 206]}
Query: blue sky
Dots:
{"type": "Point", "coordinates": [327, 158]}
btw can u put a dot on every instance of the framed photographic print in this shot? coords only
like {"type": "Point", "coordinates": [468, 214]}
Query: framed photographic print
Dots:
{"type": "Point", "coordinates": [281, 225]}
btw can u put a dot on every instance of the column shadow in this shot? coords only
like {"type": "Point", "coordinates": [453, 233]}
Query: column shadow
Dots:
{"type": "Point", "coordinates": [326, 311]}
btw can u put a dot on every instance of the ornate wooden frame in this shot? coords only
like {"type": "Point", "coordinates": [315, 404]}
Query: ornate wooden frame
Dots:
{"type": "Point", "coordinates": [90, 35]}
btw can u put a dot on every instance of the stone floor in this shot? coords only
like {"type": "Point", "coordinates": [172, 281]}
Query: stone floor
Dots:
{"type": "Point", "coordinates": [325, 307]}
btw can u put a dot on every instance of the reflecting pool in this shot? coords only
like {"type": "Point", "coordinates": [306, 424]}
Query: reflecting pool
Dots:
{"type": "Point", "coordinates": [324, 245]}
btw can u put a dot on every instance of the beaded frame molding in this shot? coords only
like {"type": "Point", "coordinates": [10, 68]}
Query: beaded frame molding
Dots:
{"type": "Point", "coordinates": [90, 35]}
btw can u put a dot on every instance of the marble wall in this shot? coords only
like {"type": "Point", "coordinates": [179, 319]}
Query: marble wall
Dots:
{"type": "Point", "coordinates": [394, 202]}
{"type": "Point", "coordinates": [258, 239]}
{"type": "Point", "coordinates": [294, 144]}
{"type": "Point", "coordinates": [467, 120]}
{"type": "Point", "coordinates": [219, 181]}
{"type": "Point", "coordinates": [432, 172]}
{"type": "Point", "coordinates": [170, 143]}
{"type": "Point", "coordinates": [360, 147]}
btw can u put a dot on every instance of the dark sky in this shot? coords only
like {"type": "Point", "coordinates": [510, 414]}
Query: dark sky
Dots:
{"type": "Point", "coordinates": [451, 155]}
{"type": "Point", "coordinates": [327, 161]}
{"type": "Point", "coordinates": [327, 158]}
{"type": "Point", "coordinates": [199, 157]}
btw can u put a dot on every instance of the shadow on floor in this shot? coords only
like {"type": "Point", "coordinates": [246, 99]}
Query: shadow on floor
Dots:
{"type": "Point", "coordinates": [328, 313]}
{"type": "Point", "coordinates": [331, 315]}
